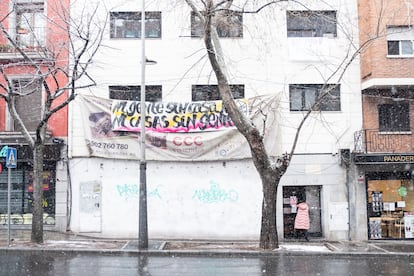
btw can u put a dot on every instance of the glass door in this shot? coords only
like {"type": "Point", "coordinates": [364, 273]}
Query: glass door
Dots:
{"type": "Point", "coordinates": [312, 195]}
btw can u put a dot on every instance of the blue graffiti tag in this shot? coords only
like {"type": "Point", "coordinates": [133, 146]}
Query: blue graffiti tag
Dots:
{"type": "Point", "coordinates": [128, 191]}
{"type": "Point", "coordinates": [154, 193]}
{"type": "Point", "coordinates": [215, 194]}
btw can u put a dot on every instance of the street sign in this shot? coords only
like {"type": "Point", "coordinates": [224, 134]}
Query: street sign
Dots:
{"type": "Point", "coordinates": [11, 158]}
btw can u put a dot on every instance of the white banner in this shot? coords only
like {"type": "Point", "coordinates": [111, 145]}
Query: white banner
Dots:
{"type": "Point", "coordinates": [109, 130]}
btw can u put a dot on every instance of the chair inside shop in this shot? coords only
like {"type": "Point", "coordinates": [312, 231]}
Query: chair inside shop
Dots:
{"type": "Point", "coordinates": [399, 226]}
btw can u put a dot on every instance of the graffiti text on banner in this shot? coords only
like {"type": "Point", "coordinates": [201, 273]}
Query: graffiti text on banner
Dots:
{"type": "Point", "coordinates": [173, 117]}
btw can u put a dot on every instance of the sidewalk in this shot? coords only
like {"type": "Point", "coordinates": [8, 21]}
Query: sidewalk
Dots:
{"type": "Point", "coordinates": [67, 242]}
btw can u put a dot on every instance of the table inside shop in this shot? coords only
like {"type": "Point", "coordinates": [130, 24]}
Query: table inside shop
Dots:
{"type": "Point", "coordinates": [388, 221]}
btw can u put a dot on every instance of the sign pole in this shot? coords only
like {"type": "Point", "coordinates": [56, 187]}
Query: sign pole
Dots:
{"type": "Point", "coordinates": [11, 163]}
{"type": "Point", "coordinates": [142, 215]}
{"type": "Point", "coordinates": [8, 203]}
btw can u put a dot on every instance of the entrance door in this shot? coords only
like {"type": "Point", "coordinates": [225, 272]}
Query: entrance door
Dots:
{"type": "Point", "coordinates": [90, 207]}
{"type": "Point", "coordinates": [313, 198]}
{"type": "Point", "coordinates": [312, 195]}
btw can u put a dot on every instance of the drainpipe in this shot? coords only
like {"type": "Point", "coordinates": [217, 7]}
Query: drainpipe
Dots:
{"type": "Point", "coordinates": [346, 160]}
{"type": "Point", "coordinates": [348, 190]}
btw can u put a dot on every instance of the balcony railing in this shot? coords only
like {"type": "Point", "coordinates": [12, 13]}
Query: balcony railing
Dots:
{"type": "Point", "coordinates": [376, 141]}
{"type": "Point", "coordinates": [8, 53]}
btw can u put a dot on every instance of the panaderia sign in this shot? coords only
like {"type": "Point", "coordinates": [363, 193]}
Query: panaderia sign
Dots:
{"type": "Point", "coordinates": [174, 131]}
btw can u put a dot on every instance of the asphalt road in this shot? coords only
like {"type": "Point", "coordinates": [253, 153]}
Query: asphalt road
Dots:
{"type": "Point", "coordinates": [43, 263]}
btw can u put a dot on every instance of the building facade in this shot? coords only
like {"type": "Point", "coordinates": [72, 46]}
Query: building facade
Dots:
{"type": "Point", "coordinates": [35, 28]}
{"type": "Point", "coordinates": [201, 183]}
{"type": "Point", "coordinates": [384, 190]}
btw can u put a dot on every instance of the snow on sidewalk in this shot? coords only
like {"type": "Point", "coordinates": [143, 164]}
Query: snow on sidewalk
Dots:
{"type": "Point", "coordinates": [305, 247]}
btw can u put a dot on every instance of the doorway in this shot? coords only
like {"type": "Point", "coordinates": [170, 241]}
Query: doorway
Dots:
{"type": "Point", "coordinates": [390, 205]}
{"type": "Point", "coordinates": [312, 195]}
{"type": "Point", "coordinates": [90, 217]}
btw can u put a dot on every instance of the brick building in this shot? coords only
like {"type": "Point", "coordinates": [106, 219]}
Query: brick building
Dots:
{"type": "Point", "coordinates": [385, 145]}
{"type": "Point", "coordinates": [35, 26]}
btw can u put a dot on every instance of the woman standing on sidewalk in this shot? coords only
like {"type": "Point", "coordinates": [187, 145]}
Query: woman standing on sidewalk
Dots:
{"type": "Point", "coordinates": [302, 223]}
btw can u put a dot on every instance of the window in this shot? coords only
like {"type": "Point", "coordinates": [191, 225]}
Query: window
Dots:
{"type": "Point", "coordinates": [311, 24]}
{"type": "Point", "coordinates": [128, 24]}
{"type": "Point", "coordinates": [211, 92]}
{"type": "Point", "coordinates": [228, 24]}
{"type": "Point", "coordinates": [400, 41]}
{"type": "Point", "coordinates": [394, 117]}
{"type": "Point", "coordinates": [303, 97]}
{"type": "Point", "coordinates": [381, 190]}
{"type": "Point", "coordinates": [21, 192]}
{"type": "Point", "coordinates": [30, 24]}
{"type": "Point", "coordinates": [29, 104]}
{"type": "Point", "coordinates": [153, 93]}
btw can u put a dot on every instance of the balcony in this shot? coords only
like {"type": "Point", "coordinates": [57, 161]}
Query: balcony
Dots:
{"type": "Point", "coordinates": [16, 137]}
{"type": "Point", "coordinates": [376, 141]}
{"type": "Point", "coordinates": [10, 54]}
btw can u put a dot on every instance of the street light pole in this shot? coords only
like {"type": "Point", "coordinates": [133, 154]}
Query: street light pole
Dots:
{"type": "Point", "coordinates": [143, 220]}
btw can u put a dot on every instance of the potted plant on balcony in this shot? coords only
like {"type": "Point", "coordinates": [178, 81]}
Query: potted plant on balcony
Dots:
{"type": "Point", "coordinates": [22, 31]}
{"type": "Point", "coordinates": [5, 48]}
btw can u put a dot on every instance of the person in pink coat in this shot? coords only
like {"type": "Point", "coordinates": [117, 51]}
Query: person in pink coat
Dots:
{"type": "Point", "coordinates": [302, 222]}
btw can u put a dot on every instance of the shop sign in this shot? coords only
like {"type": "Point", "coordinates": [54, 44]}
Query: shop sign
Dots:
{"type": "Point", "coordinates": [399, 158]}
{"type": "Point", "coordinates": [3, 151]}
{"type": "Point", "coordinates": [402, 191]}
{"type": "Point", "coordinates": [389, 158]}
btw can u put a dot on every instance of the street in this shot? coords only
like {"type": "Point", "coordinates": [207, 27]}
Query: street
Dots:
{"type": "Point", "coordinates": [49, 263]}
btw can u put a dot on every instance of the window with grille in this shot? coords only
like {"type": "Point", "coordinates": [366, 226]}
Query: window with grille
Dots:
{"type": "Point", "coordinates": [153, 93]}
{"type": "Point", "coordinates": [304, 96]}
{"type": "Point", "coordinates": [394, 117]}
{"type": "Point", "coordinates": [128, 24]}
{"type": "Point", "coordinates": [311, 24]}
{"type": "Point", "coordinates": [211, 92]}
{"type": "Point", "coordinates": [227, 24]}
{"type": "Point", "coordinates": [28, 102]}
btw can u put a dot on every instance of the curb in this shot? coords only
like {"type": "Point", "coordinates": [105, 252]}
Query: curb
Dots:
{"type": "Point", "coordinates": [201, 253]}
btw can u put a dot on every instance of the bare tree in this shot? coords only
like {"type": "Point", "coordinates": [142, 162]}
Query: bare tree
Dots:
{"type": "Point", "coordinates": [55, 68]}
{"type": "Point", "coordinates": [271, 169]}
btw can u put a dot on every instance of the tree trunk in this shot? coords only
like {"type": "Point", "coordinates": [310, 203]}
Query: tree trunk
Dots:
{"type": "Point", "coordinates": [270, 176]}
{"type": "Point", "coordinates": [268, 233]}
{"type": "Point", "coordinates": [37, 210]}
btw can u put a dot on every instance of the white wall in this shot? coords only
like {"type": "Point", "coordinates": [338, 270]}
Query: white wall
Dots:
{"type": "Point", "coordinates": [323, 170]}
{"type": "Point", "coordinates": [61, 199]}
{"type": "Point", "coordinates": [201, 200]}
{"type": "Point", "coordinates": [208, 200]}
